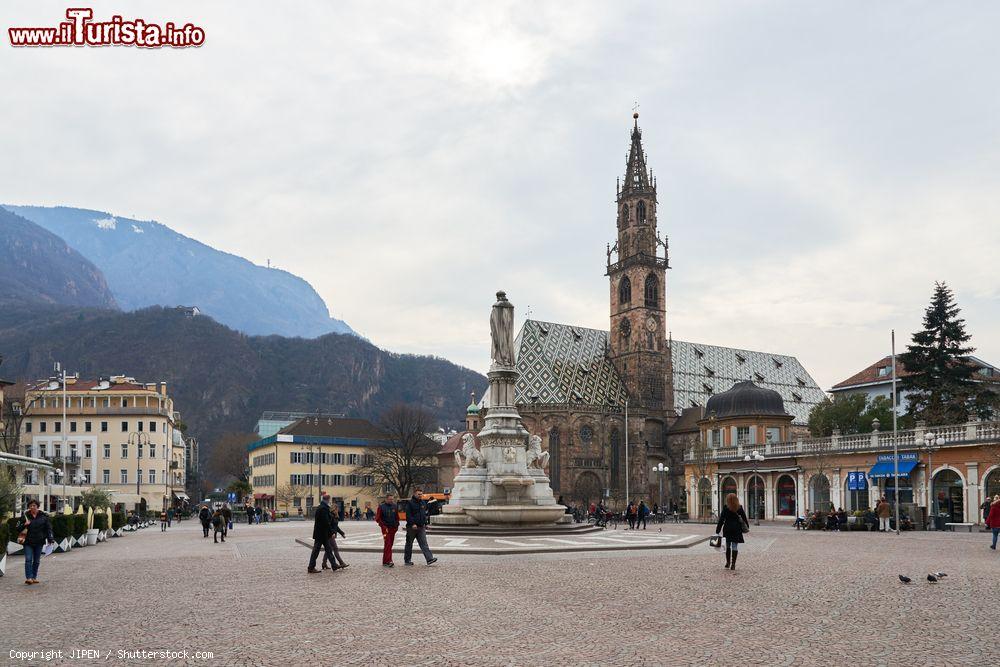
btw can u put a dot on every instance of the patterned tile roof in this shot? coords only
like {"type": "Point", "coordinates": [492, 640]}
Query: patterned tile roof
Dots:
{"type": "Point", "coordinates": [559, 363]}
{"type": "Point", "coordinates": [565, 364]}
{"type": "Point", "coordinates": [702, 370]}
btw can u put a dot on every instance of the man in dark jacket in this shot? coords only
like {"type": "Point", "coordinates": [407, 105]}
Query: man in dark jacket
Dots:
{"type": "Point", "coordinates": [416, 528]}
{"type": "Point", "coordinates": [334, 531]}
{"type": "Point", "coordinates": [205, 517]}
{"type": "Point", "coordinates": [227, 514]}
{"type": "Point", "coordinates": [387, 517]}
{"type": "Point", "coordinates": [322, 528]}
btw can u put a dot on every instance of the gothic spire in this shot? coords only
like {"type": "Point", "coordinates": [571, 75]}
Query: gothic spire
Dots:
{"type": "Point", "coordinates": [638, 179]}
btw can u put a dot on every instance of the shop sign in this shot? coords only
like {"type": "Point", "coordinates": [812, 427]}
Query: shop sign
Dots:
{"type": "Point", "coordinates": [857, 481]}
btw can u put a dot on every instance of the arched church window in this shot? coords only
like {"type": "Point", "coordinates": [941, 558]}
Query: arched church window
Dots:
{"type": "Point", "coordinates": [625, 291]}
{"type": "Point", "coordinates": [624, 215]}
{"type": "Point", "coordinates": [640, 212]}
{"type": "Point", "coordinates": [615, 442]}
{"type": "Point", "coordinates": [651, 291]}
{"type": "Point", "coordinates": [555, 458]}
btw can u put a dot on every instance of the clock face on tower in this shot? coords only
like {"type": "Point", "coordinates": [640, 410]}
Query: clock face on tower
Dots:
{"type": "Point", "coordinates": [650, 324]}
{"type": "Point", "coordinates": [625, 327]}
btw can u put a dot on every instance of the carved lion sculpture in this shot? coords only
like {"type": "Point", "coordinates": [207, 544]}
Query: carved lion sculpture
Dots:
{"type": "Point", "coordinates": [536, 457]}
{"type": "Point", "coordinates": [473, 457]}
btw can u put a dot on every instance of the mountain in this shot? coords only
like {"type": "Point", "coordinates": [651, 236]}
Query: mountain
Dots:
{"type": "Point", "coordinates": [222, 380]}
{"type": "Point", "coordinates": [38, 266]}
{"type": "Point", "coordinates": [148, 264]}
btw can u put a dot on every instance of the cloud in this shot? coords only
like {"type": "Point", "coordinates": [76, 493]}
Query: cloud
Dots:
{"type": "Point", "coordinates": [818, 166]}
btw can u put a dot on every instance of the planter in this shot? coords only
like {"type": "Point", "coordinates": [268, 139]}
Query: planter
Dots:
{"type": "Point", "coordinates": [80, 541]}
{"type": "Point", "coordinates": [102, 536]}
{"type": "Point", "coordinates": [92, 537]}
{"type": "Point", "coordinates": [3, 565]}
{"type": "Point", "coordinates": [64, 545]}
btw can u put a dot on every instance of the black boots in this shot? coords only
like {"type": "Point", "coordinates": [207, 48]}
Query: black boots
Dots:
{"type": "Point", "coordinates": [733, 565]}
{"type": "Point", "coordinates": [728, 557]}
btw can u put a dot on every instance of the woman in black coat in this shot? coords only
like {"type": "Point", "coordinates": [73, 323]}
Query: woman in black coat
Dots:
{"type": "Point", "coordinates": [732, 524]}
{"type": "Point", "coordinates": [37, 531]}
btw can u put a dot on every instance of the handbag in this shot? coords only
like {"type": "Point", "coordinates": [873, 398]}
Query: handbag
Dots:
{"type": "Point", "coordinates": [715, 541]}
{"type": "Point", "coordinates": [744, 526]}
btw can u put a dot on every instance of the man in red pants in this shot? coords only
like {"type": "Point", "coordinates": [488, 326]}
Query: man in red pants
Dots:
{"type": "Point", "coordinates": [387, 517]}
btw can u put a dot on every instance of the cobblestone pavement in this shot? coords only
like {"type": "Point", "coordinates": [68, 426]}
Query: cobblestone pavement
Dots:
{"type": "Point", "coordinates": [797, 598]}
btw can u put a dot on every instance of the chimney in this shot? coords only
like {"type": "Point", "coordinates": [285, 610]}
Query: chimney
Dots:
{"type": "Point", "coordinates": [163, 388]}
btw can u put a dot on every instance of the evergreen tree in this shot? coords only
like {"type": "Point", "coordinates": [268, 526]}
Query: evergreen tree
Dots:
{"type": "Point", "coordinates": [941, 384]}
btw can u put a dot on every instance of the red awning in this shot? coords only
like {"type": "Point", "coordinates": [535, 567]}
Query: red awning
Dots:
{"type": "Point", "coordinates": [262, 496]}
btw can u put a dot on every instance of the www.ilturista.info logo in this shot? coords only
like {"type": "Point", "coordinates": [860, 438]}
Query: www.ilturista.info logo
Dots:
{"type": "Point", "coordinates": [81, 30]}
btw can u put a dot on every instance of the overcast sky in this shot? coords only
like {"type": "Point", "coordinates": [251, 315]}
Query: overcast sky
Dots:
{"type": "Point", "coordinates": [820, 165]}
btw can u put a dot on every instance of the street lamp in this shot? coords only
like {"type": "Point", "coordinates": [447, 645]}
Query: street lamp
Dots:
{"type": "Point", "coordinates": [756, 457]}
{"type": "Point", "coordinates": [660, 470]}
{"type": "Point", "coordinates": [930, 444]}
{"type": "Point", "coordinates": [138, 438]}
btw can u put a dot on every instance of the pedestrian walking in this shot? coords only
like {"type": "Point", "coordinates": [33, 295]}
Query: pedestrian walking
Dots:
{"type": "Point", "coordinates": [883, 510]}
{"type": "Point", "coordinates": [993, 520]}
{"type": "Point", "coordinates": [733, 524]}
{"type": "Point", "coordinates": [163, 522]}
{"type": "Point", "coordinates": [416, 528]}
{"type": "Point", "coordinates": [641, 515]}
{"type": "Point", "coordinates": [322, 529]}
{"type": "Point", "coordinates": [387, 517]}
{"type": "Point", "coordinates": [227, 515]}
{"type": "Point", "coordinates": [219, 525]}
{"type": "Point", "coordinates": [205, 517]}
{"type": "Point", "coordinates": [257, 514]}
{"type": "Point", "coordinates": [984, 509]}
{"type": "Point", "coordinates": [170, 516]}
{"type": "Point", "coordinates": [34, 530]}
{"type": "Point", "coordinates": [334, 531]}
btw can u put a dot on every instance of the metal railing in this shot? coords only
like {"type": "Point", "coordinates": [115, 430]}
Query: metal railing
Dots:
{"type": "Point", "coordinates": [972, 432]}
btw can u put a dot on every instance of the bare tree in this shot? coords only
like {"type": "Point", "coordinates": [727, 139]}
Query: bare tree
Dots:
{"type": "Point", "coordinates": [820, 457]}
{"type": "Point", "coordinates": [13, 410]}
{"type": "Point", "coordinates": [409, 457]}
{"type": "Point", "coordinates": [228, 459]}
{"type": "Point", "coordinates": [702, 462]}
{"type": "Point", "coordinates": [287, 493]}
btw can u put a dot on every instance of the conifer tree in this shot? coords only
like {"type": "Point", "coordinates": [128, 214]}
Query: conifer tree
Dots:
{"type": "Point", "coordinates": [941, 382]}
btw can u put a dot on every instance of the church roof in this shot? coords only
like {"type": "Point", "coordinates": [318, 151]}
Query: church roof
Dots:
{"type": "Point", "coordinates": [565, 364]}
{"type": "Point", "coordinates": [700, 371]}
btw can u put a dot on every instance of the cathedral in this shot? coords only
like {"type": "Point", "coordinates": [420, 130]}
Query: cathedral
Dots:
{"type": "Point", "coordinates": [611, 405]}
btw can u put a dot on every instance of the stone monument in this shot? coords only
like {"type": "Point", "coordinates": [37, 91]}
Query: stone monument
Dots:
{"type": "Point", "coordinates": [504, 481]}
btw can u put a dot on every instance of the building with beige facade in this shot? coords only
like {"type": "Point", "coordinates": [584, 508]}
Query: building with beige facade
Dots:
{"type": "Point", "coordinates": [290, 470]}
{"type": "Point", "coordinates": [744, 444]}
{"type": "Point", "coordinates": [115, 433]}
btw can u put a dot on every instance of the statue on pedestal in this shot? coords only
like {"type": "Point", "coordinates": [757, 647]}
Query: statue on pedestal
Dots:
{"type": "Point", "coordinates": [536, 457]}
{"type": "Point", "coordinates": [502, 331]}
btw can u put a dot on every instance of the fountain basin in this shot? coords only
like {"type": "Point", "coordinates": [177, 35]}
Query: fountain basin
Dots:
{"type": "Point", "coordinates": [515, 514]}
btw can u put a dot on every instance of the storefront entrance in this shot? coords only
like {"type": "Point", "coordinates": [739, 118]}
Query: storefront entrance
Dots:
{"type": "Point", "coordinates": [786, 496]}
{"type": "Point", "coordinates": [949, 496]}
{"type": "Point", "coordinates": [755, 498]}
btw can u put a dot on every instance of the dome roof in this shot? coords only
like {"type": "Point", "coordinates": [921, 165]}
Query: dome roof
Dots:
{"type": "Point", "coordinates": [473, 409]}
{"type": "Point", "coordinates": [745, 399]}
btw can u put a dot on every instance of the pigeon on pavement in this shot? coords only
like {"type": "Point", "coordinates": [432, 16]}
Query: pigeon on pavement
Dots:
{"type": "Point", "coordinates": [940, 575]}
{"type": "Point", "coordinates": [905, 580]}
{"type": "Point", "coordinates": [931, 578]}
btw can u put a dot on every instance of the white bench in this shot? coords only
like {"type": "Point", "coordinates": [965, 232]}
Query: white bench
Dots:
{"type": "Point", "coordinates": [951, 526]}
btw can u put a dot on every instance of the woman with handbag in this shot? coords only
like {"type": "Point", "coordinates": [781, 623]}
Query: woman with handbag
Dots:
{"type": "Point", "coordinates": [733, 524]}
{"type": "Point", "coordinates": [33, 531]}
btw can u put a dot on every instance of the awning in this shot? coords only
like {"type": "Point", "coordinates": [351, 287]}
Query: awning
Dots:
{"type": "Point", "coordinates": [181, 495]}
{"type": "Point", "coordinates": [884, 469]}
{"type": "Point", "coordinates": [262, 496]}
{"type": "Point", "coordinates": [723, 473]}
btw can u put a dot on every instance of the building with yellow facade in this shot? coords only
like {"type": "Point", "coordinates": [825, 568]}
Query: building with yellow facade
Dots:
{"type": "Point", "coordinates": [290, 470]}
{"type": "Point", "coordinates": [115, 433]}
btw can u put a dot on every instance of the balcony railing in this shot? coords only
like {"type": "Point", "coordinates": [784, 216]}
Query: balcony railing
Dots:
{"type": "Point", "coordinates": [973, 432]}
{"type": "Point", "coordinates": [640, 259]}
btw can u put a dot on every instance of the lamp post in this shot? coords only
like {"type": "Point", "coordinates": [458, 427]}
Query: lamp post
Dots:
{"type": "Point", "coordinates": [755, 457]}
{"type": "Point", "coordinates": [930, 444]}
{"type": "Point", "coordinates": [138, 438]}
{"type": "Point", "coordinates": [660, 470]}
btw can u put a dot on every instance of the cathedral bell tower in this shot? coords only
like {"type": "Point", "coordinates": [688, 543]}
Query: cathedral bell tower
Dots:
{"type": "Point", "coordinates": [638, 340]}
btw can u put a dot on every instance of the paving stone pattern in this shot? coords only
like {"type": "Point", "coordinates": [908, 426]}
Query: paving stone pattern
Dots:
{"type": "Point", "coordinates": [797, 598]}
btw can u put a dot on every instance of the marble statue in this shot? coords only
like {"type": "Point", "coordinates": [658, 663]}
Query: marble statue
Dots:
{"type": "Point", "coordinates": [536, 457]}
{"type": "Point", "coordinates": [502, 331]}
{"type": "Point", "coordinates": [473, 457]}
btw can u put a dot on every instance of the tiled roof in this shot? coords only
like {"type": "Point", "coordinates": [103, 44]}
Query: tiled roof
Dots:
{"type": "Point", "coordinates": [870, 374]}
{"type": "Point", "coordinates": [703, 370]}
{"type": "Point", "coordinates": [564, 364]}
{"type": "Point", "coordinates": [688, 421]}
{"type": "Point", "coordinates": [559, 363]}
{"type": "Point", "coordinates": [334, 428]}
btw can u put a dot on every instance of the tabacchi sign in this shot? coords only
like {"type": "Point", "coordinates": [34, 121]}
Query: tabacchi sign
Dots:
{"type": "Point", "coordinates": [82, 30]}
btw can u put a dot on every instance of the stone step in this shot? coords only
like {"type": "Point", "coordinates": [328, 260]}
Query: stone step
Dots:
{"type": "Point", "coordinates": [512, 531]}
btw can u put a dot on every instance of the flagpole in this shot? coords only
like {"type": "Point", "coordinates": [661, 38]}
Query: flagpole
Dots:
{"type": "Point", "coordinates": [895, 443]}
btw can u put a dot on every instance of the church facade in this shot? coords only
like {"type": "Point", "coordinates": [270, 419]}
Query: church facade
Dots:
{"type": "Point", "coordinates": [608, 404]}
